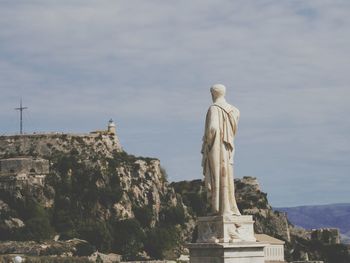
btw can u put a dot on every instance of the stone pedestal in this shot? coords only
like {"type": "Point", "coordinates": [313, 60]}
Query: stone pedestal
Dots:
{"type": "Point", "coordinates": [226, 239]}
{"type": "Point", "coordinates": [225, 229]}
{"type": "Point", "coordinates": [240, 252]}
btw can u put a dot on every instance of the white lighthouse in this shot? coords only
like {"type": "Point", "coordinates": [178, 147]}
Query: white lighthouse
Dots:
{"type": "Point", "coordinates": [111, 127]}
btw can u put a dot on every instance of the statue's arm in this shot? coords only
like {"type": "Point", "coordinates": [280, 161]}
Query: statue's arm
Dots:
{"type": "Point", "coordinates": [237, 114]}
{"type": "Point", "coordinates": [212, 127]}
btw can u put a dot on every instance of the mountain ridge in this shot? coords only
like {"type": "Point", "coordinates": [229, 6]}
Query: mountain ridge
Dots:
{"type": "Point", "coordinates": [321, 216]}
{"type": "Point", "coordinates": [328, 204]}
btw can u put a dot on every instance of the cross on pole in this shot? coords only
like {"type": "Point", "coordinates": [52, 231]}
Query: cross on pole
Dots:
{"type": "Point", "coordinates": [20, 109]}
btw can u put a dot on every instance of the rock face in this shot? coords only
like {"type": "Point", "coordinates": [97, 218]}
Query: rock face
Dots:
{"type": "Point", "coordinates": [252, 201]}
{"type": "Point", "coordinates": [92, 190]}
{"type": "Point", "coordinates": [144, 185]}
{"type": "Point", "coordinates": [141, 179]}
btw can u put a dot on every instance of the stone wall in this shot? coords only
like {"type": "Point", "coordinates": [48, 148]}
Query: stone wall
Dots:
{"type": "Point", "coordinates": [45, 145]}
{"type": "Point", "coordinates": [326, 235]}
{"type": "Point", "coordinates": [22, 171]}
{"type": "Point", "coordinates": [26, 165]}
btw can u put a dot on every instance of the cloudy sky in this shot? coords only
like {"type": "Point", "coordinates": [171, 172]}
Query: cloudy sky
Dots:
{"type": "Point", "coordinates": [149, 66]}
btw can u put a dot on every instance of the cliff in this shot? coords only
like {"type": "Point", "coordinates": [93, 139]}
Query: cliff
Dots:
{"type": "Point", "coordinates": [300, 244]}
{"type": "Point", "coordinates": [250, 200]}
{"type": "Point", "coordinates": [90, 189]}
{"type": "Point", "coordinates": [86, 187]}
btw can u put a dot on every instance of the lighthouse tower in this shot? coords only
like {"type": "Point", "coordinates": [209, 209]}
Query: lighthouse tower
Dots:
{"type": "Point", "coordinates": [111, 127]}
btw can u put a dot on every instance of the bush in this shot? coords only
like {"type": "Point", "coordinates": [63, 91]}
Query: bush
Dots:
{"type": "Point", "coordinates": [5, 232]}
{"type": "Point", "coordinates": [197, 202]}
{"type": "Point", "coordinates": [37, 222]}
{"type": "Point", "coordinates": [129, 238]}
{"type": "Point", "coordinates": [37, 228]}
{"type": "Point", "coordinates": [84, 249]}
{"type": "Point", "coordinates": [110, 194]}
{"type": "Point", "coordinates": [338, 253]}
{"type": "Point", "coordinates": [194, 196]}
{"type": "Point", "coordinates": [144, 215]}
{"type": "Point", "coordinates": [173, 215]}
{"type": "Point", "coordinates": [160, 240]}
{"type": "Point", "coordinates": [62, 220]}
{"type": "Point", "coordinates": [97, 233]}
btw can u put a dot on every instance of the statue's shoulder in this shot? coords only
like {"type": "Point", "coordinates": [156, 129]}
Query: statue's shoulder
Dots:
{"type": "Point", "coordinates": [213, 108]}
{"type": "Point", "coordinates": [227, 107]}
{"type": "Point", "coordinates": [235, 111]}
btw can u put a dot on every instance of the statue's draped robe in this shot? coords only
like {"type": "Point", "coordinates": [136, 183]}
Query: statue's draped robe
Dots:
{"type": "Point", "coordinates": [218, 152]}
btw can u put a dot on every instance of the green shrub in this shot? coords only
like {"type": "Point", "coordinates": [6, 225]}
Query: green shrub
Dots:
{"type": "Point", "coordinates": [197, 202]}
{"type": "Point", "coordinates": [193, 195]}
{"type": "Point", "coordinates": [62, 220]}
{"type": "Point", "coordinates": [144, 215]}
{"type": "Point", "coordinates": [37, 222]}
{"type": "Point", "coordinates": [129, 238]}
{"type": "Point", "coordinates": [37, 228]}
{"type": "Point", "coordinates": [173, 215]}
{"type": "Point", "coordinates": [5, 233]}
{"type": "Point", "coordinates": [84, 249]}
{"type": "Point", "coordinates": [97, 233]}
{"type": "Point", "coordinates": [338, 253]}
{"type": "Point", "coordinates": [109, 196]}
{"type": "Point", "coordinates": [160, 240]}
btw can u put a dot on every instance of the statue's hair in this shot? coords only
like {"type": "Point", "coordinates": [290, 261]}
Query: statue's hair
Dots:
{"type": "Point", "coordinates": [218, 90]}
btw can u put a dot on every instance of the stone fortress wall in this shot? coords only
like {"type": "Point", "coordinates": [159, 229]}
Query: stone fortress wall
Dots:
{"type": "Point", "coordinates": [19, 165]}
{"type": "Point", "coordinates": [21, 171]}
{"type": "Point", "coordinates": [24, 165]}
{"type": "Point", "coordinates": [328, 235]}
{"type": "Point", "coordinates": [44, 144]}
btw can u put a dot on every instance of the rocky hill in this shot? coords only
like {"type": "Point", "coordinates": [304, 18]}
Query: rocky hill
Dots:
{"type": "Point", "coordinates": [300, 243]}
{"type": "Point", "coordinates": [86, 187]}
{"type": "Point", "coordinates": [93, 191]}
{"type": "Point", "coordinates": [250, 199]}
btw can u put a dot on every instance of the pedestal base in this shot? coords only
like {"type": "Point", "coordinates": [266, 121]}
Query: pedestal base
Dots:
{"type": "Point", "coordinates": [240, 252]}
{"type": "Point", "coordinates": [225, 229]}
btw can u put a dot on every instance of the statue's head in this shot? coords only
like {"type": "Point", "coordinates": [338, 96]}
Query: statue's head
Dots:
{"type": "Point", "coordinates": [217, 91]}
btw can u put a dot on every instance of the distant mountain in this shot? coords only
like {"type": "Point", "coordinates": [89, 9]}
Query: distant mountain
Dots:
{"type": "Point", "coordinates": [319, 216]}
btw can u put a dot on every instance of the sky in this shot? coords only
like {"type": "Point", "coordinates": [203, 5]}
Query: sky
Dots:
{"type": "Point", "coordinates": [149, 65]}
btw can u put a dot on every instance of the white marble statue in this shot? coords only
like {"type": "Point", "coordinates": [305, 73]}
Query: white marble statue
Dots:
{"type": "Point", "coordinates": [218, 152]}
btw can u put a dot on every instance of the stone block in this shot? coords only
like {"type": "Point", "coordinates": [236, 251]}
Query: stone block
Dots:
{"type": "Point", "coordinates": [240, 252]}
{"type": "Point", "coordinates": [225, 229]}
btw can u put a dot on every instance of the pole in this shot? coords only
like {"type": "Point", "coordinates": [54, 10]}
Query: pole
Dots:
{"type": "Point", "coordinates": [21, 108]}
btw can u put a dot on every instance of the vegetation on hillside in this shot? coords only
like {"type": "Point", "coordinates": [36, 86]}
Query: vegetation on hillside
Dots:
{"type": "Point", "coordinates": [87, 190]}
{"type": "Point", "coordinates": [251, 200]}
{"type": "Point", "coordinates": [84, 194]}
